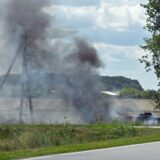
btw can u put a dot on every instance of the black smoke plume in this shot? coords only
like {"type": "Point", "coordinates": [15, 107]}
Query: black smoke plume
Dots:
{"type": "Point", "coordinates": [27, 23]}
{"type": "Point", "coordinates": [27, 17]}
{"type": "Point", "coordinates": [81, 87]}
{"type": "Point", "coordinates": [84, 53]}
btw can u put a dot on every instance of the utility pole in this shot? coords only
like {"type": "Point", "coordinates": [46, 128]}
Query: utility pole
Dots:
{"type": "Point", "coordinates": [25, 80]}
{"type": "Point", "coordinates": [25, 77]}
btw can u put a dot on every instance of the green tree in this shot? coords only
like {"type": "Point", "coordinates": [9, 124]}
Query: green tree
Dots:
{"type": "Point", "coordinates": [131, 93]}
{"type": "Point", "coordinates": [152, 43]}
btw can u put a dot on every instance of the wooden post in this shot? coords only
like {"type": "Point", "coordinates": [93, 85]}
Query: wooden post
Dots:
{"type": "Point", "coordinates": [25, 82]}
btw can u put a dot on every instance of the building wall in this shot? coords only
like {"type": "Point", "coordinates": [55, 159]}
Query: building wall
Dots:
{"type": "Point", "coordinates": [47, 110]}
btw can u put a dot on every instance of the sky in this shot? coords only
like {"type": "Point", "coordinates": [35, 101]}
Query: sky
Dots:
{"type": "Point", "coordinates": [115, 27]}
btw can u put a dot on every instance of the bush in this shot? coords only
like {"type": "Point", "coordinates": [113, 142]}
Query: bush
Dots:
{"type": "Point", "coordinates": [121, 129]}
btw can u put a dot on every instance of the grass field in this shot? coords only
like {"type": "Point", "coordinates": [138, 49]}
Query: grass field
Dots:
{"type": "Point", "coordinates": [19, 141]}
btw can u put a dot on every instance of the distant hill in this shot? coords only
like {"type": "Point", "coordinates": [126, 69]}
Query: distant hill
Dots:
{"type": "Point", "coordinates": [119, 82]}
{"type": "Point", "coordinates": [44, 84]}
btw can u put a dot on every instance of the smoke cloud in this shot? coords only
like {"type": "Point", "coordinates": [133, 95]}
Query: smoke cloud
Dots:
{"type": "Point", "coordinates": [76, 61]}
{"type": "Point", "coordinates": [81, 84]}
{"type": "Point", "coordinates": [85, 53]}
{"type": "Point", "coordinates": [27, 16]}
{"type": "Point", "coordinates": [27, 24]}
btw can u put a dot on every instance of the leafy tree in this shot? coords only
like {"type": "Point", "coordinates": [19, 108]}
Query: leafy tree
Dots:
{"type": "Point", "coordinates": [132, 93]}
{"type": "Point", "coordinates": [152, 44]}
{"type": "Point", "coordinates": [135, 93]}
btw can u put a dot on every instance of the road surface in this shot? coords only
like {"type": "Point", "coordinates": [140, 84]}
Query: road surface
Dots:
{"type": "Point", "coordinates": [149, 151]}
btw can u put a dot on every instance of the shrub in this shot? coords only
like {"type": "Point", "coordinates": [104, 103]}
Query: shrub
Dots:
{"type": "Point", "coordinates": [121, 129]}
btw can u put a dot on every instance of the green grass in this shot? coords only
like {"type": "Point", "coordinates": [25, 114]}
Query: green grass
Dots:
{"type": "Point", "coordinates": [21, 141]}
{"type": "Point", "coordinates": [19, 137]}
{"type": "Point", "coordinates": [77, 147]}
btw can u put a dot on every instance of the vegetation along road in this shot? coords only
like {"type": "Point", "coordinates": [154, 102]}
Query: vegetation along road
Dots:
{"type": "Point", "coordinates": [26, 141]}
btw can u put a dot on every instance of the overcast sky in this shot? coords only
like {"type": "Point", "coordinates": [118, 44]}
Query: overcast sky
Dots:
{"type": "Point", "coordinates": [116, 29]}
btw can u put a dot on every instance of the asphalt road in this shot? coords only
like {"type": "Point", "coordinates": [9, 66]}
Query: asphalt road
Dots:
{"type": "Point", "coordinates": [149, 151]}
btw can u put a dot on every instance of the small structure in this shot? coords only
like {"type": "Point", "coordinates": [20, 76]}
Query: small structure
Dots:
{"type": "Point", "coordinates": [109, 93]}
